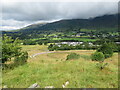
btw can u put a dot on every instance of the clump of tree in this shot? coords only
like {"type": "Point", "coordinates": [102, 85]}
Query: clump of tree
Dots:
{"type": "Point", "coordinates": [106, 49]}
{"type": "Point", "coordinates": [11, 51]}
{"type": "Point", "coordinates": [85, 46]}
{"type": "Point", "coordinates": [73, 56]}
{"type": "Point", "coordinates": [51, 47]}
{"type": "Point", "coordinates": [39, 43]}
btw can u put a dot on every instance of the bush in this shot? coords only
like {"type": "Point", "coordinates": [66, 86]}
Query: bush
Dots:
{"type": "Point", "coordinates": [22, 59]}
{"type": "Point", "coordinates": [45, 43]}
{"type": "Point", "coordinates": [73, 56]}
{"type": "Point", "coordinates": [40, 43]}
{"type": "Point", "coordinates": [97, 56]}
{"type": "Point", "coordinates": [106, 50]}
{"type": "Point", "coordinates": [101, 65]}
{"type": "Point", "coordinates": [51, 47]}
{"type": "Point", "coordinates": [19, 60]}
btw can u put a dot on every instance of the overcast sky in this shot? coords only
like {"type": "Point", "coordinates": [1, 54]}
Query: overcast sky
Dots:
{"type": "Point", "coordinates": [17, 14]}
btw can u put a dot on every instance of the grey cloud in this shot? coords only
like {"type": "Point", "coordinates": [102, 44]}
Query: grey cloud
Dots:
{"type": "Point", "coordinates": [19, 14]}
{"type": "Point", "coordinates": [47, 11]}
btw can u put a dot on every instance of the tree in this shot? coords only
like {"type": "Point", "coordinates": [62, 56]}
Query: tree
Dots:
{"type": "Point", "coordinates": [50, 47]}
{"type": "Point", "coordinates": [114, 46]}
{"type": "Point", "coordinates": [11, 49]}
{"type": "Point", "coordinates": [106, 50]}
{"type": "Point", "coordinates": [40, 43]}
{"type": "Point", "coordinates": [45, 43]}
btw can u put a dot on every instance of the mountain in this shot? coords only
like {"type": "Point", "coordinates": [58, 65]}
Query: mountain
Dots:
{"type": "Point", "coordinates": [106, 21]}
{"type": "Point", "coordinates": [101, 23]}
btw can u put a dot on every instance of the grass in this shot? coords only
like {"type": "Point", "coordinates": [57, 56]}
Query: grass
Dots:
{"type": "Point", "coordinates": [53, 70]}
{"type": "Point", "coordinates": [87, 30]}
{"type": "Point", "coordinates": [79, 39]}
{"type": "Point", "coordinates": [32, 49]}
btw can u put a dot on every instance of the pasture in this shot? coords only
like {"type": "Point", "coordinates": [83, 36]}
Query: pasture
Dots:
{"type": "Point", "coordinates": [52, 69]}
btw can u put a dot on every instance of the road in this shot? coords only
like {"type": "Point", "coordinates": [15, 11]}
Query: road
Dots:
{"type": "Point", "coordinates": [55, 52]}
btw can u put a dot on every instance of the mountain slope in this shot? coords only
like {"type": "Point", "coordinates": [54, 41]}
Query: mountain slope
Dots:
{"type": "Point", "coordinates": [101, 23]}
{"type": "Point", "coordinates": [106, 21]}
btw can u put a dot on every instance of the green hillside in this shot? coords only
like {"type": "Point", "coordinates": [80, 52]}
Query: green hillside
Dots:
{"type": "Point", "coordinates": [106, 23]}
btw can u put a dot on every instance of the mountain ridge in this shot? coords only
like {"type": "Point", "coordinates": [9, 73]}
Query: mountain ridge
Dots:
{"type": "Point", "coordinates": [102, 23]}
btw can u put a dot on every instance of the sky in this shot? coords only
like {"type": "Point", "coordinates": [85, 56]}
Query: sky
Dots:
{"type": "Point", "coordinates": [16, 14]}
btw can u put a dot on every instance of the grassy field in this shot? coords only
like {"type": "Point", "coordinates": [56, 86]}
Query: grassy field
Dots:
{"type": "Point", "coordinates": [53, 70]}
{"type": "Point", "coordinates": [79, 39]}
{"type": "Point", "coordinates": [32, 49]}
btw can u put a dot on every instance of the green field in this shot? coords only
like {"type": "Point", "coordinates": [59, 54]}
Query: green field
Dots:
{"type": "Point", "coordinates": [79, 39]}
{"type": "Point", "coordinates": [87, 30]}
{"type": "Point", "coordinates": [53, 70]}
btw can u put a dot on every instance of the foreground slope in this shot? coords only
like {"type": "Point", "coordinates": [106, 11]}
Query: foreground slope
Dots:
{"type": "Point", "coordinates": [53, 70]}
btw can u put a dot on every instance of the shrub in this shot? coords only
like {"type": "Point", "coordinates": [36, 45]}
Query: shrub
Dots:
{"type": "Point", "coordinates": [97, 56]}
{"type": "Point", "coordinates": [72, 56]}
{"type": "Point", "coordinates": [22, 59]}
{"type": "Point", "coordinates": [101, 65]}
{"type": "Point", "coordinates": [106, 50]}
{"type": "Point", "coordinates": [45, 43]}
{"type": "Point", "coordinates": [51, 47]}
{"type": "Point", "coordinates": [40, 43]}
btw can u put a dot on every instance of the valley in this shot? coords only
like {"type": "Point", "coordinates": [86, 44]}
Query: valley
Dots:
{"type": "Point", "coordinates": [83, 52]}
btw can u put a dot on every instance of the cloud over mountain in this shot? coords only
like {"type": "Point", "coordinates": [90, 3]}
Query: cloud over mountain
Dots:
{"type": "Point", "coordinates": [22, 13]}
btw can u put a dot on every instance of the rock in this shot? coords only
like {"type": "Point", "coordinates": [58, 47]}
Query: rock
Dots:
{"type": "Point", "coordinates": [49, 87]}
{"type": "Point", "coordinates": [63, 86]}
{"type": "Point", "coordinates": [66, 83]}
{"type": "Point", "coordinates": [35, 85]}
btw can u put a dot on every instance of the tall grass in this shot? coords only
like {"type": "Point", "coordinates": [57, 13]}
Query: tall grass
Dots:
{"type": "Point", "coordinates": [53, 70]}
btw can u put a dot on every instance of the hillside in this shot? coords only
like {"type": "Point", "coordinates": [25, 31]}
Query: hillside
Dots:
{"type": "Point", "coordinates": [106, 23]}
{"type": "Point", "coordinates": [52, 69]}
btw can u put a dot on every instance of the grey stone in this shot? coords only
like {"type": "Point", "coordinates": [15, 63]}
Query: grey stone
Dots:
{"type": "Point", "coordinates": [35, 85]}
{"type": "Point", "coordinates": [49, 87]}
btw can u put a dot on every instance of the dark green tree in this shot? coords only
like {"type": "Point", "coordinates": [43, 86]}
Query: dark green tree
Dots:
{"type": "Point", "coordinates": [114, 46]}
{"type": "Point", "coordinates": [106, 50]}
{"type": "Point", "coordinates": [51, 47]}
